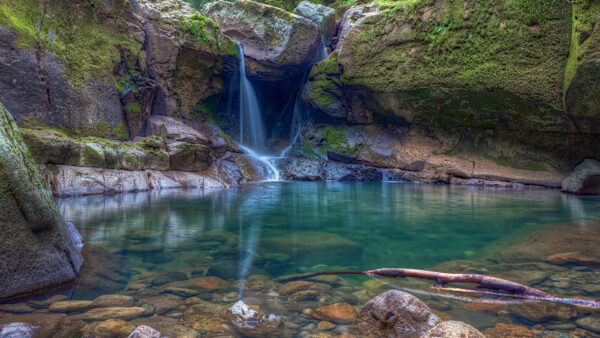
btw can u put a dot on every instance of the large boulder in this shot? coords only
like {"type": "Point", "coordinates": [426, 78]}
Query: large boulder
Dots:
{"type": "Point", "coordinates": [275, 41]}
{"type": "Point", "coordinates": [39, 249]}
{"type": "Point", "coordinates": [585, 178]}
{"type": "Point", "coordinates": [323, 16]}
{"type": "Point", "coordinates": [395, 314]}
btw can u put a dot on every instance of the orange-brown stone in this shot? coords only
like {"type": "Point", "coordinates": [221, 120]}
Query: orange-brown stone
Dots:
{"type": "Point", "coordinates": [508, 331]}
{"type": "Point", "coordinates": [341, 313]}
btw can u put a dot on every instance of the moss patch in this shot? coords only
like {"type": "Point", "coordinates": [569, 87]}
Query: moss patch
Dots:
{"type": "Point", "coordinates": [87, 42]}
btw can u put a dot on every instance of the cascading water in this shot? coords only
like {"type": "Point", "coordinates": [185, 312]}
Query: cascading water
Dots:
{"type": "Point", "coordinates": [252, 133]}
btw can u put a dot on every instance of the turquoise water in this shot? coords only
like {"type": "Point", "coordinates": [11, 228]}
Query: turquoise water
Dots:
{"type": "Point", "coordinates": [291, 227]}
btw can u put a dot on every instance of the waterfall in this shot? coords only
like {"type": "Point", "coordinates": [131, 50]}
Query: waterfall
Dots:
{"type": "Point", "coordinates": [301, 115]}
{"type": "Point", "coordinates": [252, 133]}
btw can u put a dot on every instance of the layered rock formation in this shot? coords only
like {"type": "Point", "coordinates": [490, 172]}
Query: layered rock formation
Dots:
{"type": "Point", "coordinates": [39, 249]}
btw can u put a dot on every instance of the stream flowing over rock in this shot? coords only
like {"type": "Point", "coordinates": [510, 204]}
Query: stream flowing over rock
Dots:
{"type": "Point", "coordinates": [38, 250]}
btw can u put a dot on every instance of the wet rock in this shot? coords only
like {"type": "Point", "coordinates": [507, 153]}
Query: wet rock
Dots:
{"type": "Point", "coordinates": [591, 323]}
{"type": "Point", "coordinates": [296, 286]}
{"type": "Point", "coordinates": [17, 330]}
{"type": "Point", "coordinates": [105, 313]}
{"type": "Point", "coordinates": [70, 305]}
{"type": "Point", "coordinates": [163, 304]}
{"type": "Point", "coordinates": [114, 301]}
{"type": "Point", "coordinates": [251, 323]}
{"type": "Point", "coordinates": [538, 312]}
{"type": "Point", "coordinates": [167, 277]}
{"type": "Point", "coordinates": [585, 178]}
{"type": "Point", "coordinates": [304, 295]}
{"type": "Point", "coordinates": [294, 45]}
{"type": "Point", "coordinates": [485, 307]}
{"type": "Point", "coordinates": [573, 258]}
{"type": "Point", "coordinates": [396, 314]}
{"type": "Point", "coordinates": [170, 128]}
{"type": "Point", "coordinates": [48, 324]}
{"type": "Point", "coordinates": [453, 329]}
{"type": "Point", "coordinates": [168, 327]}
{"type": "Point", "coordinates": [341, 313]}
{"type": "Point", "coordinates": [322, 16]}
{"type": "Point", "coordinates": [182, 291]}
{"type": "Point", "coordinates": [502, 330]}
{"type": "Point", "coordinates": [326, 326]}
{"type": "Point", "coordinates": [592, 289]}
{"type": "Point", "coordinates": [37, 247]}
{"type": "Point", "coordinates": [16, 308]}
{"type": "Point", "coordinates": [352, 18]}
{"type": "Point", "coordinates": [103, 273]}
{"type": "Point", "coordinates": [41, 304]}
{"type": "Point", "coordinates": [144, 331]}
{"type": "Point", "coordinates": [113, 328]}
{"type": "Point", "coordinates": [202, 284]}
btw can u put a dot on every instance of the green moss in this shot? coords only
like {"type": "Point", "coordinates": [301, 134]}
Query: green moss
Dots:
{"type": "Point", "coordinates": [584, 45]}
{"type": "Point", "coordinates": [120, 132]}
{"type": "Point", "coordinates": [510, 45]}
{"type": "Point", "coordinates": [134, 109]}
{"type": "Point", "coordinates": [86, 42]}
{"type": "Point", "coordinates": [516, 163]}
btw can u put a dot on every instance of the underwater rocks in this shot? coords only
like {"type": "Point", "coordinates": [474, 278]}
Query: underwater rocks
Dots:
{"type": "Point", "coordinates": [585, 178]}
{"type": "Point", "coordinates": [275, 41]}
{"type": "Point", "coordinates": [329, 247]}
{"type": "Point", "coordinates": [251, 323]}
{"type": "Point", "coordinates": [395, 314]}
{"type": "Point", "coordinates": [39, 249]}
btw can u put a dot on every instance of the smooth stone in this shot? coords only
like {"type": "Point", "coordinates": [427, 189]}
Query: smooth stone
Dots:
{"type": "Point", "coordinates": [182, 291]}
{"type": "Point", "coordinates": [589, 323]}
{"type": "Point", "coordinates": [163, 304]}
{"type": "Point", "coordinates": [341, 313]}
{"type": "Point", "coordinates": [16, 308]}
{"type": "Point", "coordinates": [144, 331]}
{"type": "Point", "coordinates": [303, 295]}
{"type": "Point", "coordinates": [167, 277]}
{"type": "Point", "coordinates": [70, 305]}
{"type": "Point", "coordinates": [453, 329]}
{"type": "Point", "coordinates": [42, 304]}
{"type": "Point", "coordinates": [204, 284]}
{"type": "Point", "coordinates": [104, 313]}
{"type": "Point", "coordinates": [574, 258]}
{"type": "Point", "coordinates": [295, 286]}
{"type": "Point", "coordinates": [114, 301]}
{"type": "Point", "coordinates": [113, 327]}
{"type": "Point", "coordinates": [326, 326]}
{"type": "Point", "coordinates": [592, 289]}
{"type": "Point", "coordinates": [251, 323]}
{"type": "Point", "coordinates": [538, 312]}
{"type": "Point", "coordinates": [502, 330]}
{"type": "Point", "coordinates": [395, 313]}
{"type": "Point", "coordinates": [17, 330]}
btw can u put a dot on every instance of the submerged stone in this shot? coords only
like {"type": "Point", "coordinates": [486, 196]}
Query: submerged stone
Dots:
{"type": "Point", "coordinates": [17, 330]}
{"type": "Point", "coordinates": [251, 323]}
{"type": "Point", "coordinates": [341, 313]}
{"type": "Point", "coordinates": [453, 329]}
{"type": "Point", "coordinates": [330, 248]}
{"type": "Point", "coordinates": [70, 305]}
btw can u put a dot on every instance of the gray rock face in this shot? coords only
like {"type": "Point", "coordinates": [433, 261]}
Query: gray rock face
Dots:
{"type": "Point", "coordinates": [352, 18]}
{"type": "Point", "coordinates": [453, 329]}
{"type": "Point", "coordinates": [585, 178]}
{"type": "Point", "coordinates": [395, 314]}
{"type": "Point", "coordinates": [272, 38]}
{"type": "Point", "coordinates": [38, 250]}
{"type": "Point", "coordinates": [321, 15]}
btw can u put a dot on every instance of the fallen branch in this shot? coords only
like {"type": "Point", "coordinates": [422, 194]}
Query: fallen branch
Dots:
{"type": "Point", "coordinates": [486, 285]}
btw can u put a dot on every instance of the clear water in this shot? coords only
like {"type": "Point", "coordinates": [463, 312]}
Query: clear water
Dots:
{"type": "Point", "coordinates": [378, 224]}
{"type": "Point", "coordinates": [280, 228]}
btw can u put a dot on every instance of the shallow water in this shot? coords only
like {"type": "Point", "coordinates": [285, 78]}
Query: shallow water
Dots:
{"type": "Point", "coordinates": [280, 228]}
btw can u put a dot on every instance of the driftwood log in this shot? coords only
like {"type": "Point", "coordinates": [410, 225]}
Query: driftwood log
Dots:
{"type": "Point", "coordinates": [485, 285]}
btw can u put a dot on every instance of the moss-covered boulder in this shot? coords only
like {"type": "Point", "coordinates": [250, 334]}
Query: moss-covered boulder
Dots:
{"type": "Point", "coordinates": [83, 64]}
{"type": "Point", "coordinates": [38, 248]}
{"type": "Point", "coordinates": [491, 70]}
{"type": "Point", "coordinates": [275, 41]}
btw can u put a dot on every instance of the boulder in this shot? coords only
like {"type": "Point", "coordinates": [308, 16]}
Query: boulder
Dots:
{"type": "Point", "coordinates": [168, 127]}
{"type": "Point", "coordinates": [395, 314]}
{"type": "Point", "coordinates": [453, 329]}
{"type": "Point", "coordinates": [38, 248]}
{"type": "Point", "coordinates": [274, 40]}
{"type": "Point", "coordinates": [352, 18]}
{"type": "Point", "coordinates": [70, 305]}
{"type": "Point", "coordinates": [251, 323]}
{"type": "Point", "coordinates": [585, 178]}
{"type": "Point", "coordinates": [321, 15]}
{"type": "Point", "coordinates": [105, 313]}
